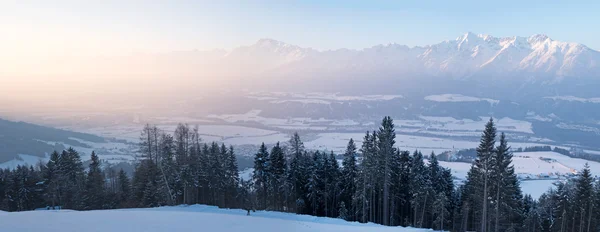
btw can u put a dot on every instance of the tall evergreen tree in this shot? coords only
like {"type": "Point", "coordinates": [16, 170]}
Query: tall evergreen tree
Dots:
{"type": "Point", "coordinates": [260, 176]}
{"type": "Point", "coordinates": [584, 200]}
{"type": "Point", "coordinates": [349, 175]}
{"type": "Point", "coordinates": [404, 185]}
{"type": "Point", "coordinates": [478, 179]}
{"type": "Point", "coordinates": [71, 179]}
{"type": "Point", "coordinates": [508, 198]}
{"type": "Point", "coordinates": [440, 211]}
{"type": "Point", "coordinates": [94, 186]}
{"type": "Point", "coordinates": [123, 190]}
{"type": "Point", "coordinates": [277, 177]}
{"type": "Point", "coordinates": [386, 149]}
{"type": "Point", "coordinates": [298, 175]}
{"type": "Point", "coordinates": [51, 181]}
{"type": "Point", "coordinates": [420, 186]}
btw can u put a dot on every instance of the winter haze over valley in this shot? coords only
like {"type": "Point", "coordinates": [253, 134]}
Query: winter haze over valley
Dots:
{"type": "Point", "coordinates": [243, 74]}
{"type": "Point", "coordinates": [331, 96]}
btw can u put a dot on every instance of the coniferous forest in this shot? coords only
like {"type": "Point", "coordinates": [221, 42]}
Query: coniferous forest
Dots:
{"type": "Point", "coordinates": [375, 182]}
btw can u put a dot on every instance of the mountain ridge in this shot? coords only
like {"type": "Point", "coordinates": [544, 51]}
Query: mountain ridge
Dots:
{"type": "Point", "coordinates": [467, 55]}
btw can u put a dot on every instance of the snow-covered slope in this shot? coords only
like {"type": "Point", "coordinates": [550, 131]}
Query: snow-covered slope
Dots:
{"type": "Point", "coordinates": [191, 218]}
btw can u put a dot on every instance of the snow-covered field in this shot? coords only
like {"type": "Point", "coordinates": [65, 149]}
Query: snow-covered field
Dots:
{"type": "Point", "coordinates": [21, 160]}
{"type": "Point", "coordinates": [558, 164]}
{"type": "Point", "coordinates": [537, 170]}
{"type": "Point", "coordinates": [426, 144]}
{"type": "Point", "coordinates": [536, 188]}
{"type": "Point", "coordinates": [179, 218]}
{"type": "Point", "coordinates": [458, 98]}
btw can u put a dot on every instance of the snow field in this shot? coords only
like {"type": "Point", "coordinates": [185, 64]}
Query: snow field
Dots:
{"type": "Point", "coordinates": [180, 218]}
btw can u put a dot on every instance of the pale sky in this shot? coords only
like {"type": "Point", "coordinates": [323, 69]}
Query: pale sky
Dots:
{"type": "Point", "coordinates": [108, 27]}
{"type": "Point", "coordinates": [59, 50]}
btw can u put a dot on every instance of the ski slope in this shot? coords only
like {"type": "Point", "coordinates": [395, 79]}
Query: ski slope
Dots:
{"type": "Point", "coordinates": [179, 218]}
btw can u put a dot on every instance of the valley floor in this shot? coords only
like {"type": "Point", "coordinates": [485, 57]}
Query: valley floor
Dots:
{"type": "Point", "coordinates": [179, 218]}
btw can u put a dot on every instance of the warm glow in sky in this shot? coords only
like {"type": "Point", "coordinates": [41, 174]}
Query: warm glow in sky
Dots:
{"type": "Point", "coordinates": [66, 43]}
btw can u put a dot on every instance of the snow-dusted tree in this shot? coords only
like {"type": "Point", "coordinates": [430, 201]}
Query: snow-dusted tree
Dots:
{"type": "Point", "coordinates": [477, 187]}
{"type": "Point", "coordinates": [505, 186]}
{"type": "Point", "coordinates": [277, 173]}
{"type": "Point", "coordinates": [584, 200]}
{"type": "Point", "coordinates": [260, 176]}
{"type": "Point", "coordinates": [299, 172]}
{"type": "Point", "coordinates": [440, 211]}
{"type": "Point", "coordinates": [420, 186]}
{"type": "Point", "coordinates": [349, 175]}
{"type": "Point", "coordinates": [386, 150]}
{"type": "Point", "coordinates": [343, 211]}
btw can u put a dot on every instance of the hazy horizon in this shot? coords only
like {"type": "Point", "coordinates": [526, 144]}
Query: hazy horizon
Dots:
{"type": "Point", "coordinates": [99, 55]}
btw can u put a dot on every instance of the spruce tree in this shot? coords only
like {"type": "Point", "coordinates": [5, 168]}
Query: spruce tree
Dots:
{"type": "Point", "coordinates": [440, 211]}
{"type": "Point", "coordinates": [386, 150]}
{"type": "Point", "coordinates": [51, 181]}
{"type": "Point", "coordinates": [94, 186]}
{"type": "Point", "coordinates": [505, 186]}
{"type": "Point", "coordinates": [478, 179]}
{"type": "Point", "coordinates": [420, 186]}
{"type": "Point", "coordinates": [343, 211]}
{"type": "Point", "coordinates": [404, 185]}
{"type": "Point", "coordinates": [583, 201]}
{"type": "Point", "coordinates": [277, 177]}
{"type": "Point", "coordinates": [71, 179]}
{"type": "Point", "coordinates": [349, 175]}
{"type": "Point", "coordinates": [298, 175]}
{"type": "Point", "coordinates": [123, 190]}
{"type": "Point", "coordinates": [231, 177]}
{"type": "Point", "coordinates": [260, 176]}
{"type": "Point", "coordinates": [332, 188]}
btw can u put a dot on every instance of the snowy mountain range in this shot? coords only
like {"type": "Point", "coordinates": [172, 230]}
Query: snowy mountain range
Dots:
{"type": "Point", "coordinates": [467, 55]}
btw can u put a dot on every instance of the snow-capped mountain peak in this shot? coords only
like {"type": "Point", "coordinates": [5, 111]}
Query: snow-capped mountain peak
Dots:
{"type": "Point", "coordinates": [470, 54]}
{"type": "Point", "coordinates": [538, 38]}
{"type": "Point", "coordinates": [270, 43]}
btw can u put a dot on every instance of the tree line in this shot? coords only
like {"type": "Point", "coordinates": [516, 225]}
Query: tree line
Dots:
{"type": "Point", "coordinates": [376, 182]}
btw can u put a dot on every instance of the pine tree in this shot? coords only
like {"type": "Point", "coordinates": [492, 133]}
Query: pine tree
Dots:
{"type": "Point", "coordinates": [349, 175]}
{"type": "Point", "coordinates": [298, 176]}
{"type": "Point", "coordinates": [343, 211]}
{"type": "Point", "coordinates": [440, 211]}
{"type": "Point", "coordinates": [404, 187]}
{"type": "Point", "coordinates": [71, 179]}
{"type": "Point", "coordinates": [94, 186]}
{"type": "Point", "coordinates": [561, 207]}
{"type": "Point", "coordinates": [316, 185]}
{"type": "Point", "coordinates": [232, 177]}
{"type": "Point", "coordinates": [365, 195]}
{"type": "Point", "coordinates": [505, 187]}
{"type": "Point", "coordinates": [332, 188]}
{"type": "Point", "coordinates": [168, 168]}
{"type": "Point", "coordinates": [51, 181]}
{"type": "Point", "coordinates": [277, 177]}
{"type": "Point", "coordinates": [420, 186]}
{"type": "Point", "coordinates": [478, 179]}
{"type": "Point", "coordinates": [435, 174]}
{"type": "Point", "coordinates": [123, 190]}
{"type": "Point", "coordinates": [583, 201]}
{"type": "Point", "coordinates": [260, 176]}
{"type": "Point", "coordinates": [385, 147]}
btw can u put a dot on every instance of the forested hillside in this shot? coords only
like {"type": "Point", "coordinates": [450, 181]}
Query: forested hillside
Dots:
{"type": "Point", "coordinates": [374, 183]}
{"type": "Point", "coordinates": [24, 138]}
